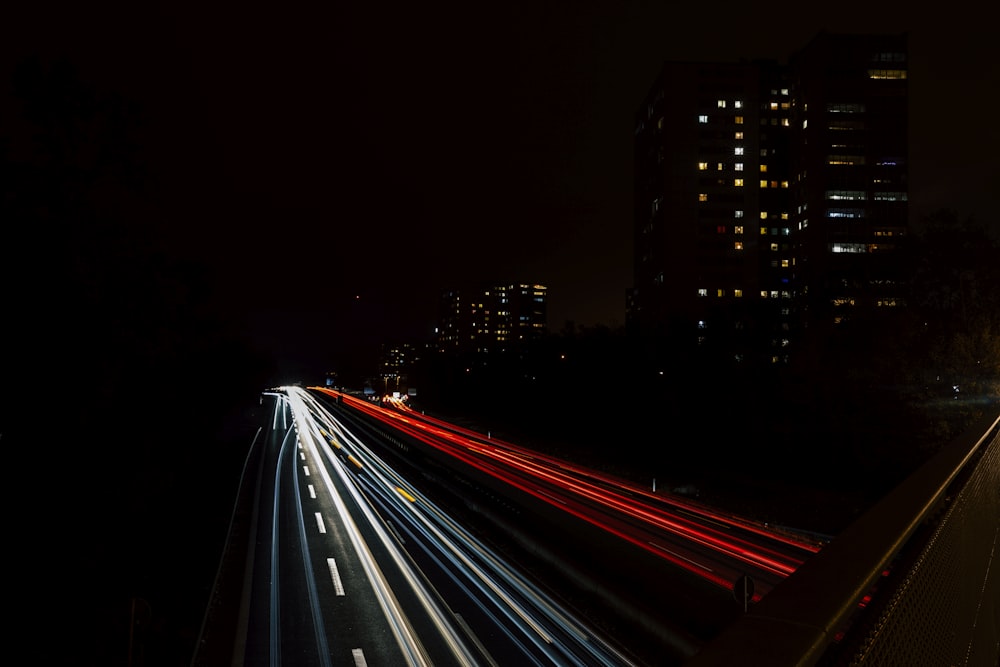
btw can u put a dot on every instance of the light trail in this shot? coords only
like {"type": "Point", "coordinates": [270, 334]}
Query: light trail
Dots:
{"type": "Point", "coordinates": [472, 565]}
{"type": "Point", "coordinates": [512, 464]}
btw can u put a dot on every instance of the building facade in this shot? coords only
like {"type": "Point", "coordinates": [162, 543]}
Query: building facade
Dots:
{"type": "Point", "coordinates": [769, 198]}
{"type": "Point", "coordinates": [493, 319]}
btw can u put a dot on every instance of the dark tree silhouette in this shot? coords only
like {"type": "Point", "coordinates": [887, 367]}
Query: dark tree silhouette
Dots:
{"type": "Point", "coordinates": [118, 376]}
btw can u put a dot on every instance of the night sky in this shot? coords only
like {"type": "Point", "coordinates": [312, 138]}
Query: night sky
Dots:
{"type": "Point", "coordinates": [337, 165]}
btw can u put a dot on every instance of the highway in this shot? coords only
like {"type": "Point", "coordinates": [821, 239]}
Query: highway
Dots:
{"type": "Point", "coordinates": [351, 564]}
{"type": "Point", "coordinates": [717, 546]}
{"type": "Point", "coordinates": [671, 570]}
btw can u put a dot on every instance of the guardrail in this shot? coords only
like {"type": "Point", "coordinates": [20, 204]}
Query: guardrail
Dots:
{"type": "Point", "coordinates": [914, 581]}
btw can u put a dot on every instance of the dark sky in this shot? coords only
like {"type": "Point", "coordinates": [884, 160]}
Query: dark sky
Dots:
{"type": "Point", "coordinates": [338, 164]}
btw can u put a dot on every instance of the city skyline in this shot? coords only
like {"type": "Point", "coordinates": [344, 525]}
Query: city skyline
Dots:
{"type": "Point", "coordinates": [333, 185]}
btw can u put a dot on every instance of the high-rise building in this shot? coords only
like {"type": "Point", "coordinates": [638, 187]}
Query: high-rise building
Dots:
{"type": "Point", "coordinates": [396, 361]}
{"type": "Point", "coordinates": [492, 319]}
{"type": "Point", "coordinates": [453, 332]}
{"type": "Point", "coordinates": [851, 169]}
{"type": "Point", "coordinates": [770, 197]}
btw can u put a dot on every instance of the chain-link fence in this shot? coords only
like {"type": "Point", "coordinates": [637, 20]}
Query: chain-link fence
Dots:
{"type": "Point", "coordinates": [914, 582]}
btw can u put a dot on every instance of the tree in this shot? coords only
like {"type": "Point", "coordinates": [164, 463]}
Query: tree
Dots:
{"type": "Point", "coordinates": [108, 340]}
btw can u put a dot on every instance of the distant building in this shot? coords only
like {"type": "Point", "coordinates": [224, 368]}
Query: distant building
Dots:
{"type": "Point", "coordinates": [454, 333]}
{"type": "Point", "coordinates": [396, 361]}
{"type": "Point", "coordinates": [770, 198]}
{"type": "Point", "coordinates": [492, 318]}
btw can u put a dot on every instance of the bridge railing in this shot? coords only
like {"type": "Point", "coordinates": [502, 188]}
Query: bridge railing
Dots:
{"type": "Point", "coordinates": [914, 581]}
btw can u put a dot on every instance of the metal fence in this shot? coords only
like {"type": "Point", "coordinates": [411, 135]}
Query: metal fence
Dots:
{"type": "Point", "coordinates": [915, 581]}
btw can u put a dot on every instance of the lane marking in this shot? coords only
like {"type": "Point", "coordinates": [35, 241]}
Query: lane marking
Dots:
{"type": "Point", "coordinates": [550, 497]}
{"type": "Point", "coordinates": [392, 529]}
{"type": "Point", "coordinates": [306, 469]}
{"type": "Point", "coordinates": [359, 658]}
{"type": "Point", "coordinates": [319, 522]}
{"type": "Point", "coordinates": [674, 553]}
{"type": "Point", "coordinates": [312, 491]}
{"type": "Point", "coordinates": [338, 585]}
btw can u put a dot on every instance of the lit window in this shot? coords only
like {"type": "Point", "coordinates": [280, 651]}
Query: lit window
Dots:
{"type": "Point", "coordinates": [720, 229]}
{"type": "Point", "coordinates": [763, 231]}
{"type": "Point", "coordinates": [774, 247]}
{"type": "Point", "coordinates": [784, 263]}
{"type": "Point", "coordinates": [702, 166]}
{"type": "Point", "coordinates": [784, 184]}
{"type": "Point", "coordinates": [738, 150]}
{"type": "Point", "coordinates": [850, 248]}
{"type": "Point", "coordinates": [849, 195]}
{"type": "Point", "coordinates": [718, 167]}
{"type": "Point", "coordinates": [721, 104]}
{"type": "Point", "coordinates": [763, 294]}
{"type": "Point", "coordinates": [738, 182]}
{"type": "Point", "coordinates": [737, 214]}
{"type": "Point", "coordinates": [784, 91]}
{"type": "Point", "coordinates": [774, 184]}
{"type": "Point", "coordinates": [738, 245]}
{"type": "Point", "coordinates": [842, 107]}
{"type": "Point", "coordinates": [738, 293]}
{"type": "Point", "coordinates": [720, 292]}
{"type": "Point", "coordinates": [774, 106]}
{"type": "Point", "coordinates": [738, 119]}
{"type": "Point", "coordinates": [763, 215]}
{"type": "Point", "coordinates": [702, 292]}
{"type": "Point", "coordinates": [785, 122]}
{"type": "Point", "coordinates": [763, 184]}
{"type": "Point", "coordinates": [738, 230]}
{"type": "Point", "coordinates": [738, 166]}
{"type": "Point", "coordinates": [887, 74]}
{"type": "Point", "coordinates": [738, 136]}
{"type": "Point", "coordinates": [784, 216]}
{"type": "Point", "coordinates": [702, 196]}
{"type": "Point", "coordinates": [763, 168]}
{"type": "Point", "coordinates": [890, 57]}
{"type": "Point", "coordinates": [738, 104]}
{"type": "Point", "coordinates": [848, 160]}
{"type": "Point", "coordinates": [702, 118]}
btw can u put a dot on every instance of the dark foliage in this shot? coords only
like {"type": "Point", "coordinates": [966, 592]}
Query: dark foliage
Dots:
{"type": "Point", "coordinates": [120, 381]}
